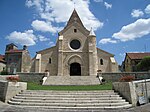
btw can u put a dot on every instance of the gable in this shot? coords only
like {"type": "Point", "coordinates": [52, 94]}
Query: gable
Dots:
{"type": "Point", "coordinates": [101, 52]}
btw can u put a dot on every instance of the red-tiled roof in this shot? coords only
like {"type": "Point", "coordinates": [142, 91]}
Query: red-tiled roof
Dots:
{"type": "Point", "coordinates": [2, 58]}
{"type": "Point", "coordinates": [15, 51]}
{"type": "Point", "coordinates": [138, 55]}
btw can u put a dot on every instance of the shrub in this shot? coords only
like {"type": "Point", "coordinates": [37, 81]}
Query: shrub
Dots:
{"type": "Point", "coordinates": [127, 78]}
{"type": "Point", "coordinates": [13, 78]}
{"type": "Point", "coordinates": [4, 73]}
{"type": "Point", "coordinates": [144, 64]}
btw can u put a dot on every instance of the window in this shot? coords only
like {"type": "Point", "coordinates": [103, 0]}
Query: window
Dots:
{"type": "Point", "coordinates": [101, 61]}
{"type": "Point", "coordinates": [50, 60]}
{"type": "Point", "coordinates": [75, 30]}
{"type": "Point", "coordinates": [75, 44]}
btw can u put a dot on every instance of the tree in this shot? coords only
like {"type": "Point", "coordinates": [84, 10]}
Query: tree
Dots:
{"type": "Point", "coordinates": [144, 64]}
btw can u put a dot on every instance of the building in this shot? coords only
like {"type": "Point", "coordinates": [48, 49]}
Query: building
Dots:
{"type": "Point", "coordinates": [75, 53]}
{"type": "Point", "coordinates": [2, 63]}
{"type": "Point", "coordinates": [132, 59]}
{"type": "Point", "coordinates": [17, 60]}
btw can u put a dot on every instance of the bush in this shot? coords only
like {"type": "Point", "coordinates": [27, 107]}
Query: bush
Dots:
{"type": "Point", "coordinates": [13, 78]}
{"type": "Point", "coordinates": [4, 73]}
{"type": "Point", "coordinates": [127, 78]}
{"type": "Point", "coordinates": [144, 65]}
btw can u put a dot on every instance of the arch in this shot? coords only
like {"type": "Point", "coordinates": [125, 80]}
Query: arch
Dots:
{"type": "Point", "coordinates": [73, 59]}
{"type": "Point", "coordinates": [101, 61]}
{"type": "Point", "coordinates": [75, 69]}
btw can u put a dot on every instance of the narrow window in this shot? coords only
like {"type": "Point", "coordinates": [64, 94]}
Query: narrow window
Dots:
{"type": "Point", "coordinates": [50, 60]}
{"type": "Point", "coordinates": [75, 30]}
{"type": "Point", "coordinates": [101, 61]}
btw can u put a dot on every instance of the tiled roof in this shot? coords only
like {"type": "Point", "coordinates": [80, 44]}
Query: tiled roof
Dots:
{"type": "Point", "coordinates": [15, 51]}
{"type": "Point", "coordinates": [138, 55]}
{"type": "Point", "coordinates": [2, 58]}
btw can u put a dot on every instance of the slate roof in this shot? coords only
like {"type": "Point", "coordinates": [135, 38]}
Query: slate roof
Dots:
{"type": "Point", "coordinates": [138, 55]}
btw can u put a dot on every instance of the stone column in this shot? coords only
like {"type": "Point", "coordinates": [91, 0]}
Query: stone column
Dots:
{"type": "Point", "coordinates": [60, 55]}
{"type": "Point", "coordinates": [93, 64]}
{"type": "Point", "coordinates": [38, 63]}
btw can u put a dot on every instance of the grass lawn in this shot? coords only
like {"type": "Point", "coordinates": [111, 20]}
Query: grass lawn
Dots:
{"type": "Point", "coordinates": [35, 86]}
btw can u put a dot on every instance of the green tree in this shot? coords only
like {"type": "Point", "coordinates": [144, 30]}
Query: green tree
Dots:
{"type": "Point", "coordinates": [144, 65]}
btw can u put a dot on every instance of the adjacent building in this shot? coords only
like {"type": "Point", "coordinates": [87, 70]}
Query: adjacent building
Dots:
{"type": "Point", "coordinates": [17, 60]}
{"type": "Point", "coordinates": [2, 63]}
{"type": "Point", "coordinates": [132, 59]}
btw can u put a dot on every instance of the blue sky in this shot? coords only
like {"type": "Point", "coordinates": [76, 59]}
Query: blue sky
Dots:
{"type": "Point", "coordinates": [120, 25]}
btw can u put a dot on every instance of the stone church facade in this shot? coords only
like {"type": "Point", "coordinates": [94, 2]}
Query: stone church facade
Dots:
{"type": "Point", "coordinates": [75, 53]}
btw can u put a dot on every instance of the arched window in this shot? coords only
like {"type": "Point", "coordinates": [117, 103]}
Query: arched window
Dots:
{"type": "Point", "coordinates": [101, 61]}
{"type": "Point", "coordinates": [50, 60]}
{"type": "Point", "coordinates": [75, 30]}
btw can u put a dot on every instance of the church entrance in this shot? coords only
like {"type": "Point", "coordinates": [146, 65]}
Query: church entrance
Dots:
{"type": "Point", "coordinates": [75, 69]}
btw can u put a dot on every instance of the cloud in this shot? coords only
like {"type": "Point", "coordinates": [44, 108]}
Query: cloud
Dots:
{"type": "Point", "coordinates": [147, 9]}
{"type": "Point", "coordinates": [51, 43]}
{"type": "Point", "coordinates": [44, 26]}
{"type": "Point", "coordinates": [42, 38]}
{"type": "Point", "coordinates": [107, 40]}
{"type": "Point", "coordinates": [139, 28]}
{"type": "Point", "coordinates": [25, 38]}
{"type": "Point", "coordinates": [98, 0]}
{"type": "Point", "coordinates": [37, 3]}
{"type": "Point", "coordinates": [137, 13]}
{"type": "Point", "coordinates": [52, 12]}
{"type": "Point", "coordinates": [107, 5]}
{"type": "Point", "coordinates": [122, 54]}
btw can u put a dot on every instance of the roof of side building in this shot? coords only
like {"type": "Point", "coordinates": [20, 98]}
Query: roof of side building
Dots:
{"type": "Point", "coordinates": [2, 58]}
{"type": "Point", "coordinates": [138, 55]}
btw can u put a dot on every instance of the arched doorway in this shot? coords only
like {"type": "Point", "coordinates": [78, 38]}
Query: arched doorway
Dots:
{"type": "Point", "coordinates": [75, 69]}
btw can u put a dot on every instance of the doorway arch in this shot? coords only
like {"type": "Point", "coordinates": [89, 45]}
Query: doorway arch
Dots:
{"type": "Point", "coordinates": [75, 69]}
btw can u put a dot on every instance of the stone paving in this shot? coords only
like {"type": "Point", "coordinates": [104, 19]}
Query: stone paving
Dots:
{"type": "Point", "coordinates": [8, 108]}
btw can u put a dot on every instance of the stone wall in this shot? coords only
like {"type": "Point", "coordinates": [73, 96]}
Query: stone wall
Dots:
{"type": "Point", "coordinates": [3, 89]}
{"type": "Point", "coordinates": [31, 77]}
{"type": "Point", "coordinates": [2, 66]}
{"type": "Point", "coordinates": [10, 89]}
{"type": "Point", "coordinates": [115, 77]}
{"type": "Point", "coordinates": [127, 91]}
{"type": "Point", "coordinates": [132, 91]}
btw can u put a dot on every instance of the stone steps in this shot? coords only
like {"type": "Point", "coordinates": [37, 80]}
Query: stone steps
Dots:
{"type": "Point", "coordinates": [72, 80]}
{"type": "Point", "coordinates": [68, 104]}
{"type": "Point", "coordinates": [68, 96]}
{"type": "Point", "coordinates": [70, 99]}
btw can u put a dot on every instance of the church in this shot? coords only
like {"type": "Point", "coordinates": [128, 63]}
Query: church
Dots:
{"type": "Point", "coordinates": [75, 53]}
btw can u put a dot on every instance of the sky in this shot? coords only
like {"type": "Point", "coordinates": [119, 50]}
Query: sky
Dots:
{"type": "Point", "coordinates": [120, 26]}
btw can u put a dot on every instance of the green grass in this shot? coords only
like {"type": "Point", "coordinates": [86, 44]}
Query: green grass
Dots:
{"type": "Point", "coordinates": [35, 86]}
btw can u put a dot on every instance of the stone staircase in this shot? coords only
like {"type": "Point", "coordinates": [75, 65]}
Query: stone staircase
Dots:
{"type": "Point", "coordinates": [106, 99]}
{"type": "Point", "coordinates": [72, 80]}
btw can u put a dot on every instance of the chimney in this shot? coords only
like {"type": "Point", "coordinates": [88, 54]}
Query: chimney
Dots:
{"type": "Point", "coordinates": [24, 47]}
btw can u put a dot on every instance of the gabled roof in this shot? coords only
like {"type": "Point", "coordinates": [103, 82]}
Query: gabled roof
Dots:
{"type": "Point", "coordinates": [12, 44]}
{"type": "Point", "coordinates": [74, 18]}
{"type": "Point", "coordinates": [137, 55]}
{"type": "Point", "coordinates": [98, 49]}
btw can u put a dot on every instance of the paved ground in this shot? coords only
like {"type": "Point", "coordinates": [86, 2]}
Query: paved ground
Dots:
{"type": "Point", "coordinates": [8, 108]}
